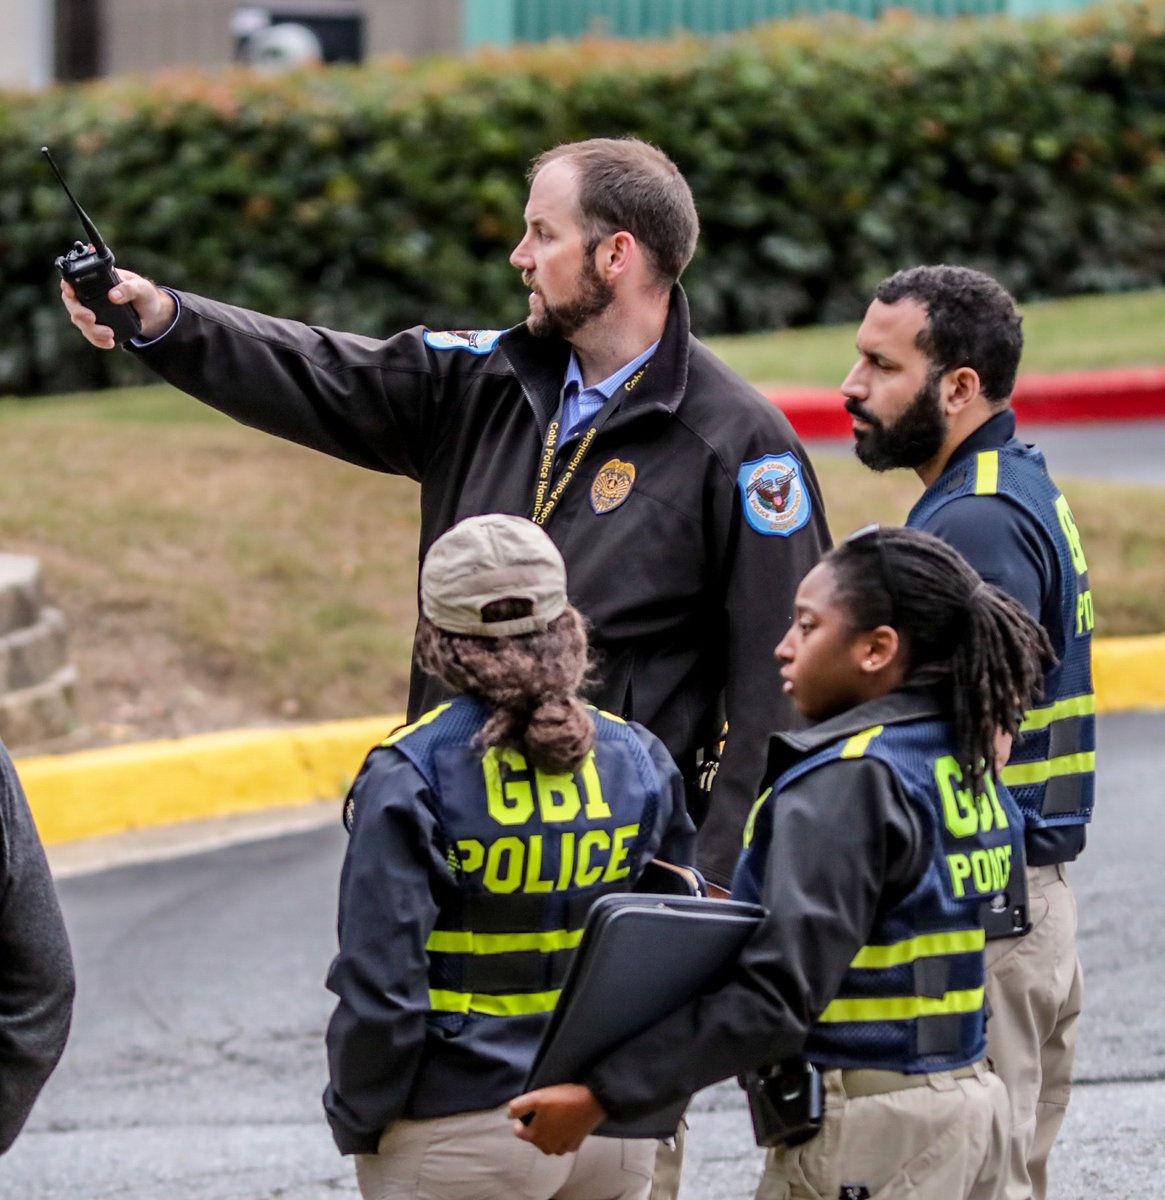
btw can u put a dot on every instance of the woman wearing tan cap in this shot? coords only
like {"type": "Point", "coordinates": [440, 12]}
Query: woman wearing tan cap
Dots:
{"type": "Point", "coordinates": [480, 836]}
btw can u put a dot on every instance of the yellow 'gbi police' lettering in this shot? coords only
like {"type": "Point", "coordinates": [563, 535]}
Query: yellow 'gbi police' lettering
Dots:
{"type": "Point", "coordinates": [964, 813]}
{"type": "Point", "coordinates": [512, 864]}
{"type": "Point", "coordinates": [1072, 534]}
{"type": "Point", "coordinates": [1085, 617]}
{"type": "Point", "coordinates": [514, 790]}
{"type": "Point", "coordinates": [989, 870]}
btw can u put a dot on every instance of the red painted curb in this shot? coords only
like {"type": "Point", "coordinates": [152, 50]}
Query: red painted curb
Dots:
{"type": "Point", "coordinates": [1129, 394]}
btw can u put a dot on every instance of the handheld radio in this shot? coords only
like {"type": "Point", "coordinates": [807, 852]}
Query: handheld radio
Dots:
{"type": "Point", "coordinates": [88, 267]}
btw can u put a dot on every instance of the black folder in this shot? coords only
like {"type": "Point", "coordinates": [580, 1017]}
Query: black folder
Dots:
{"type": "Point", "coordinates": [641, 958]}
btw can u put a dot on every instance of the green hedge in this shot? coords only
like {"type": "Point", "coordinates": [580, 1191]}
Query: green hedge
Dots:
{"type": "Point", "coordinates": [823, 156]}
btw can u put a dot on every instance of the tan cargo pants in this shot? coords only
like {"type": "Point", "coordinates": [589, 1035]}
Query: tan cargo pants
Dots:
{"type": "Point", "coordinates": [944, 1140]}
{"type": "Point", "coordinates": [1035, 991]}
{"type": "Point", "coordinates": [475, 1156]}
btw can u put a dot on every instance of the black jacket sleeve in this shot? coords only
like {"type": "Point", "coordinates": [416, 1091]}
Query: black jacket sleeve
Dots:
{"type": "Point", "coordinates": [387, 911]}
{"type": "Point", "coordinates": [843, 838]}
{"type": "Point", "coordinates": [761, 574]}
{"type": "Point", "coordinates": [36, 966]}
{"type": "Point", "coordinates": [674, 836]}
{"type": "Point", "coordinates": [376, 403]}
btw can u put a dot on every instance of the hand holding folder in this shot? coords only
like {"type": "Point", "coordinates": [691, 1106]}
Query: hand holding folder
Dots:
{"type": "Point", "coordinates": [641, 958]}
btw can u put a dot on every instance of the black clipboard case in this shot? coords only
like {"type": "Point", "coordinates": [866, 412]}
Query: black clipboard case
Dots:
{"type": "Point", "coordinates": [641, 957]}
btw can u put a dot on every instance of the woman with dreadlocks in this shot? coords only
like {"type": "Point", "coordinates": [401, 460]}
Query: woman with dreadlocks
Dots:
{"type": "Point", "coordinates": [480, 836]}
{"type": "Point", "coordinates": [880, 842]}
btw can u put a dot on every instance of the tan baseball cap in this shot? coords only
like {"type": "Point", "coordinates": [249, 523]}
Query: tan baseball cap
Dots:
{"type": "Point", "coordinates": [488, 558]}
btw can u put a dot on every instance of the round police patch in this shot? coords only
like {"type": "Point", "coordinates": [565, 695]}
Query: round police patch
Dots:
{"type": "Point", "coordinates": [774, 495]}
{"type": "Point", "coordinates": [476, 341]}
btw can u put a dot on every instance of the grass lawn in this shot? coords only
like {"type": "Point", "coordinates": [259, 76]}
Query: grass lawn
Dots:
{"type": "Point", "coordinates": [215, 577]}
{"type": "Point", "coordinates": [1086, 333]}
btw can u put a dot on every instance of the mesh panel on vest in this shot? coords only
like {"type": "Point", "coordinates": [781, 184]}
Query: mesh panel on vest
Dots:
{"type": "Point", "coordinates": [1051, 773]}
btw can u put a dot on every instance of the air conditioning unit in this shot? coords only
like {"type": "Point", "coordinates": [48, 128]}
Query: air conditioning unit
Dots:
{"type": "Point", "coordinates": [281, 38]}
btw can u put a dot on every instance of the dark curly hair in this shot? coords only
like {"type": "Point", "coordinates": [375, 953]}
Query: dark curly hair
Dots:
{"type": "Point", "coordinates": [973, 642]}
{"type": "Point", "coordinates": [971, 322]}
{"type": "Point", "coordinates": [530, 682]}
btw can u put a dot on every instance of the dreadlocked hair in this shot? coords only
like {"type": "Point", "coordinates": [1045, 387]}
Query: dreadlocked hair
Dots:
{"type": "Point", "coordinates": [973, 643]}
{"type": "Point", "coordinates": [530, 682]}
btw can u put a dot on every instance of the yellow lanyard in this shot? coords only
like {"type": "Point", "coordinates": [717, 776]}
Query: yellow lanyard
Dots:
{"type": "Point", "coordinates": [545, 504]}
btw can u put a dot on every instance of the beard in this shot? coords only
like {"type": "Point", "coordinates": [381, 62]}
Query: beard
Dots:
{"type": "Point", "coordinates": [592, 297]}
{"type": "Point", "coordinates": [913, 439]}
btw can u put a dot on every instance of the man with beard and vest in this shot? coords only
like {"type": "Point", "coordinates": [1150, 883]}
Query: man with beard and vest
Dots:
{"type": "Point", "coordinates": [939, 349]}
{"type": "Point", "coordinates": [481, 834]}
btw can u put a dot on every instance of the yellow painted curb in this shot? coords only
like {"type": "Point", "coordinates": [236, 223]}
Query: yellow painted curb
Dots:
{"type": "Point", "coordinates": [96, 792]}
{"type": "Point", "coordinates": [1129, 673]}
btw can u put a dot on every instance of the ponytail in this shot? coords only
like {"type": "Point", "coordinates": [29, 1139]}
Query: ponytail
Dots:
{"type": "Point", "coordinates": [974, 643]}
{"type": "Point", "coordinates": [530, 682]}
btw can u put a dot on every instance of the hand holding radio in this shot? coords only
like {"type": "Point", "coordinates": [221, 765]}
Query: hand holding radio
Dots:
{"type": "Point", "coordinates": [88, 269]}
{"type": "Point", "coordinates": [88, 277]}
{"type": "Point", "coordinates": [155, 308]}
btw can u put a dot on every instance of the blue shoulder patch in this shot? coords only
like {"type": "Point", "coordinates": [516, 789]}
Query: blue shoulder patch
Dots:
{"type": "Point", "coordinates": [774, 495]}
{"type": "Point", "coordinates": [476, 341]}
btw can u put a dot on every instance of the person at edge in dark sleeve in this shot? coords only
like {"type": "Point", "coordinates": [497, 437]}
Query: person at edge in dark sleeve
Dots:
{"type": "Point", "coordinates": [931, 391]}
{"type": "Point", "coordinates": [882, 834]}
{"type": "Point", "coordinates": [480, 836]}
{"type": "Point", "coordinates": [682, 501]}
{"type": "Point", "coordinates": [36, 964]}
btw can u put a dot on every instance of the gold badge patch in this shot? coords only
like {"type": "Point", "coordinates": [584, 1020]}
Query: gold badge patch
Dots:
{"type": "Point", "coordinates": [612, 485]}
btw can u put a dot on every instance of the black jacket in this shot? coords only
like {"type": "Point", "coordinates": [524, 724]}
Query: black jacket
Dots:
{"type": "Point", "coordinates": [36, 967]}
{"type": "Point", "coordinates": [391, 1053]}
{"type": "Point", "coordinates": [685, 598]}
{"type": "Point", "coordinates": [845, 843]}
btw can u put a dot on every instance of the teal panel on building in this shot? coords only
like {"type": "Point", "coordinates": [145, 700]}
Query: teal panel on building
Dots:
{"type": "Point", "coordinates": [502, 22]}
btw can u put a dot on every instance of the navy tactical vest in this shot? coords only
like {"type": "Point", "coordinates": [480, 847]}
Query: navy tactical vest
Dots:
{"type": "Point", "coordinates": [529, 853]}
{"type": "Point", "coordinates": [912, 999]}
{"type": "Point", "coordinates": [1052, 769]}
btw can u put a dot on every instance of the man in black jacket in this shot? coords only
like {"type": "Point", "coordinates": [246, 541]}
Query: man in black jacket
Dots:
{"type": "Point", "coordinates": [36, 967]}
{"type": "Point", "coordinates": [682, 502]}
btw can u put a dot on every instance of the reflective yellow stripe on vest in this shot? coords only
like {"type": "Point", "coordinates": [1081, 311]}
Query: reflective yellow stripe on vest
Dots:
{"type": "Point", "coordinates": [987, 473]}
{"type": "Point", "coordinates": [454, 941]}
{"type": "Point", "coordinates": [754, 812]}
{"type": "Point", "coordinates": [426, 719]}
{"type": "Point", "coordinates": [1062, 710]}
{"type": "Point", "coordinates": [903, 1008]}
{"type": "Point", "coordinates": [857, 745]}
{"type": "Point", "coordinates": [960, 941]}
{"type": "Point", "coordinates": [1018, 774]}
{"type": "Point", "coordinates": [494, 1006]}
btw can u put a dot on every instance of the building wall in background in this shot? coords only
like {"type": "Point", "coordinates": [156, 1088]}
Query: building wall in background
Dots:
{"type": "Point", "coordinates": [47, 40]}
{"type": "Point", "coordinates": [150, 34]}
{"type": "Point", "coordinates": [108, 37]}
{"type": "Point", "coordinates": [26, 56]}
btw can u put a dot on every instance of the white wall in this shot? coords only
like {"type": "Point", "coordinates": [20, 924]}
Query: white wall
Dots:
{"type": "Point", "coordinates": [25, 43]}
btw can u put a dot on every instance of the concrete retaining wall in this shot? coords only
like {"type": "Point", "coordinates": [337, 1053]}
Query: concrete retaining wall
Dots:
{"type": "Point", "coordinates": [36, 679]}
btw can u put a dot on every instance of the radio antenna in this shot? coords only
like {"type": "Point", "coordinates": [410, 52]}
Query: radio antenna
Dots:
{"type": "Point", "coordinates": [90, 228]}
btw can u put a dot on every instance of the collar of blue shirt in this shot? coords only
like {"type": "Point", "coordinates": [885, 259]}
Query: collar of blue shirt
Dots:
{"type": "Point", "coordinates": [579, 405]}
